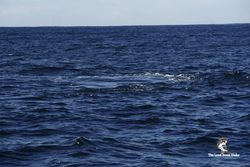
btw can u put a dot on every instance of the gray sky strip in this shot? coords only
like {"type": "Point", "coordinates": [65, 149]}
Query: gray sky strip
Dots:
{"type": "Point", "coordinates": [122, 12]}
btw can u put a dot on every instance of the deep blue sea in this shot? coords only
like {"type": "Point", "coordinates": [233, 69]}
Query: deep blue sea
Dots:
{"type": "Point", "coordinates": [133, 96]}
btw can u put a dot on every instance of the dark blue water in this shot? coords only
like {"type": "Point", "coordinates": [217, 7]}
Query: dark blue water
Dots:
{"type": "Point", "coordinates": [124, 96]}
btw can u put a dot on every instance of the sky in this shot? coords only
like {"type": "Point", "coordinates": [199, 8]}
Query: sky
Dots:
{"type": "Point", "coordinates": [122, 12]}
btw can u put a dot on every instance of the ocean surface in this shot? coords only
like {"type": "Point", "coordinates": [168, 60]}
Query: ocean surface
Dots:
{"type": "Point", "coordinates": [135, 96]}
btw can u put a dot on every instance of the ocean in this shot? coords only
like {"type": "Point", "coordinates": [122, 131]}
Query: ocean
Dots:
{"type": "Point", "coordinates": [128, 96]}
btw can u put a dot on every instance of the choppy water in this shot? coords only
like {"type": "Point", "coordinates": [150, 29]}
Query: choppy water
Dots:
{"type": "Point", "coordinates": [124, 96]}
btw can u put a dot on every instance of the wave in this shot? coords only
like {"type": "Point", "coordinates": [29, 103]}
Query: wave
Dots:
{"type": "Point", "coordinates": [39, 69]}
{"type": "Point", "coordinates": [226, 78]}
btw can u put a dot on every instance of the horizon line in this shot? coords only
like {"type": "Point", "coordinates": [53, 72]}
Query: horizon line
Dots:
{"type": "Point", "coordinates": [125, 25]}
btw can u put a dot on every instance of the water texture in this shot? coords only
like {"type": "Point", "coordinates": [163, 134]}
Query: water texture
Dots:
{"type": "Point", "coordinates": [124, 96]}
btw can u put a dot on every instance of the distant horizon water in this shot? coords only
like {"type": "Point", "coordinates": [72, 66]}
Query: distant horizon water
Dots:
{"type": "Point", "coordinates": [126, 25]}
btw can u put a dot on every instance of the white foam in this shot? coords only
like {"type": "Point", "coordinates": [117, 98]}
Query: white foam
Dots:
{"type": "Point", "coordinates": [143, 76]}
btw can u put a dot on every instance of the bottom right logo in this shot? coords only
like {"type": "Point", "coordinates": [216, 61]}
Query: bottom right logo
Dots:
{"type": "Point", "coordinates": [224, 151]}
{"type": "Point", "coordinates": [222, 145]}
